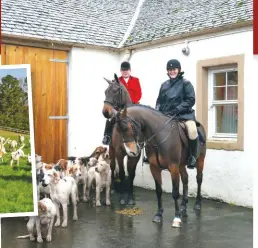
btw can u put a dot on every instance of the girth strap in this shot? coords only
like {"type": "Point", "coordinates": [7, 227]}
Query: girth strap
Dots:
{"type": "Point", "coordinates": [157, 157]}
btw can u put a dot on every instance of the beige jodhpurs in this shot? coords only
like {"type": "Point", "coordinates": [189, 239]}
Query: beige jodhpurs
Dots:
{"type": "Point", "coordinates": [191, 129]}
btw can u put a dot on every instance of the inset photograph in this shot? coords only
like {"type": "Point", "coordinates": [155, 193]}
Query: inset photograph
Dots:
{"type": "Point", "coordinates": [17, 152]}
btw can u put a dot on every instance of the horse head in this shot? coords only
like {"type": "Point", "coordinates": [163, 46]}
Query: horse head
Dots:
{"type": "Point", "coordinates": [116, 97]}
{"type": "Point", "coordinates": [130, 131]}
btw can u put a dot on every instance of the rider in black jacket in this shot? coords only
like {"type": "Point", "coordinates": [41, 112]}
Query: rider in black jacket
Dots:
{"type": "Point", "coordinates": [177, 97]}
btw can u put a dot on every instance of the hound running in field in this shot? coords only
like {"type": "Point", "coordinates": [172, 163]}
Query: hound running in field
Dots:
{"type": "Point", "coordinates": [15, 156]}
{"type": "Point", "coordinates": [21, 139]}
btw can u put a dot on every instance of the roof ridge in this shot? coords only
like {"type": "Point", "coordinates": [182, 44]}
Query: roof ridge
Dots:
{"type": "Point", "coordinates": [132, 24]}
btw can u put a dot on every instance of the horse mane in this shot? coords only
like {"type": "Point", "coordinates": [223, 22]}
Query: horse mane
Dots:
{"type": "Point", "coordinates": [148, 107]}
{"type": "Point", "coordinates": [138, 105]}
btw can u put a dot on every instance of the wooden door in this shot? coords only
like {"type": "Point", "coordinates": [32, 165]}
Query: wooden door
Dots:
{"type": "Point", "coordinates": [49, 93]}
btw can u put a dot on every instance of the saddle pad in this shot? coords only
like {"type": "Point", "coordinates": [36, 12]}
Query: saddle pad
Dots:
{"type": "Point", "coordinates": [183, 133]}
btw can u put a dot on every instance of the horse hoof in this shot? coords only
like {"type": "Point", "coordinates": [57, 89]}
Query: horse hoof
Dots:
{"type": "Point", "coordinates": [157, 219]}
{"type": "Point", "coordinates": [197, 207]}
{"type": "Point", "coordinates": [176, 222]}
{"type": "Point", "coordinates": [122, 202]}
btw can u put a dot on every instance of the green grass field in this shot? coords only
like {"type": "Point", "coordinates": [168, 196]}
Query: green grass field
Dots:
{"type": "Point", "coordinates": [16, 190]}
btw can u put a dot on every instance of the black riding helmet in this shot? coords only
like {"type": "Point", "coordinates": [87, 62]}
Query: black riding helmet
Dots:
{"type": "Point", "coordinates": [125, 66]}
{"type": "Point", "coordinates": [173, 64]}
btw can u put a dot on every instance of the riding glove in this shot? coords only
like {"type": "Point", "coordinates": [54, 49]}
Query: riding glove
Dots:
{"type": "Point", "coordinates": [175, 111]}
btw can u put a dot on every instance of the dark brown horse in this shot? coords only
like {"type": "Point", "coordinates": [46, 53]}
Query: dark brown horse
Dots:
{"type": "Point", "coordinates": [166, 148]}
{"type": "Point", "coordinates": [117, 97]}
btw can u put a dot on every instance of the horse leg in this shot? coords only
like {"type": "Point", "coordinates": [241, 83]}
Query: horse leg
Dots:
{"type": "Point", "coordinates": [131, 167]}
{"type": "Point", "coordinates": [112, 167]}
{"type": "Point", "coordinates": [156, 173]}
{"type": "Point", "coordinates": [174, 171]}
{"type": "Point", "coordinates": [184, 179]}
{"type": "Point", "coordinates": [120, 161]}
{"type": "Point", "coordinates": [200, 164]}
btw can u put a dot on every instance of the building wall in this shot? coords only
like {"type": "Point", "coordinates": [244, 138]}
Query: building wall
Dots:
{"type": "Point", "coordinates": [86, 95]}
{"type": "Point", "coordinates": [227, 174]}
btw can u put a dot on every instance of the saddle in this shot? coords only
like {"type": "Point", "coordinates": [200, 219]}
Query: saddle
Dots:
{"type": "Point", "coordinates": [184, 134]}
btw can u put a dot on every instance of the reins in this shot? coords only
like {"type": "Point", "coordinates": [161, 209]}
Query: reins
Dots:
{"type": "Point", "coordinates": [117, 105]}
{"type": "Point", "coordinates": [155, 134]}
{"type": "Point", "coordinates": [157, 146]}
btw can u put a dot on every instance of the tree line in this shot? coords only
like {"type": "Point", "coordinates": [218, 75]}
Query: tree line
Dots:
{"type": "Point", "coordinates": [14, 109]}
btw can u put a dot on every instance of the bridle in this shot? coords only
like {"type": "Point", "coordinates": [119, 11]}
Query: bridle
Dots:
{"type": "Point", "coordinates": [117, 105]}
{"type": "Point", "coordinates": [136, 125]}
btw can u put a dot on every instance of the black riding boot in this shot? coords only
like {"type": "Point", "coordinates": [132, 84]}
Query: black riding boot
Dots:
{"type": "Point", "coordinates": [193, 153]}
{"type": "Point", "coordinates": [107, 133]}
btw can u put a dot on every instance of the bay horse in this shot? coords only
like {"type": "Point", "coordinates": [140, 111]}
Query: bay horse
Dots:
{"type": "Point", "coordinates": [166, 145]}
{"type": "Point", "coordinates": [117, 97]}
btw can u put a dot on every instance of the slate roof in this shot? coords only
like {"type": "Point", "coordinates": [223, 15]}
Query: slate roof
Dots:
{"type": "Point", "coordinates": [95, 22]}
{"type": "Point", "coordinates": [105, 22]}
{"type": "Point", "coordinates": [166, 18]}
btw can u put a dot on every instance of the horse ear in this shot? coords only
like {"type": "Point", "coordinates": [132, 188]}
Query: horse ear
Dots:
{"type": "Point", "coordinates": [109, 81]}
{"type": "Point", "coordinates": [116, 78]}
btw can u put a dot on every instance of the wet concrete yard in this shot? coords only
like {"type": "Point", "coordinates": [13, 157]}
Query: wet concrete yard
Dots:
{"type": "Point", "coordinates": [218, 226]}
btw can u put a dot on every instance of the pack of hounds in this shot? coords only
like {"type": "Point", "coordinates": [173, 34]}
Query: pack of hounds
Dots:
{"type": "Point", "coordinates": [10, 148]}
{"type": "Point", "coordinates": [58, 183]}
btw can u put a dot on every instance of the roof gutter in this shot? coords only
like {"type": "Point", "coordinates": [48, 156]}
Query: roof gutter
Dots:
{"type": "Point", "coordinates": [49, 44]}
{"type": "Point", "coordinates": [67, 46]}
{"type": "Point", "coordinates": [211, 32]}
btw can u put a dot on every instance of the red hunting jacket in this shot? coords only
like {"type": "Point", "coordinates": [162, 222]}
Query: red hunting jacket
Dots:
{"type": "Point", "coordinates": [134, 88]}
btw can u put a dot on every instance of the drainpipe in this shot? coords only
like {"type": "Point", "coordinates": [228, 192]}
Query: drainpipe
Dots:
{"type": "Point", "coordinates": [128, 55]}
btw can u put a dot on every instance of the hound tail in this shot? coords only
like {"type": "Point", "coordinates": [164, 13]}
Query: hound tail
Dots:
{"type": "Point", "coordinates": [22, 146]}
{"type": "Point", "coordinates": [23, 237]}
{"type": "Point", "coordinates": [6, 141]}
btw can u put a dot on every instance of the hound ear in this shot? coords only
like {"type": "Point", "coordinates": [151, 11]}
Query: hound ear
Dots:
{"type": "Point", "coordinates": [116, 78]}
{"type": "Point", "coordinates": [109, 81]}
{"type": "Point", "coordinates": [42, 206]}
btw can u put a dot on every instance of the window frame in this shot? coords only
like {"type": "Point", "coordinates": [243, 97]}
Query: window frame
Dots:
{"type": "Point", "coordinates": [202, 91]}
{"type": "Point", "coordinates": [212, 134]}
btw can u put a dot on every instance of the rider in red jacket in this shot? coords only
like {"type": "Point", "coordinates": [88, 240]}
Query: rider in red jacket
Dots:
{"type": "Point", "coordinates": [133, 86]}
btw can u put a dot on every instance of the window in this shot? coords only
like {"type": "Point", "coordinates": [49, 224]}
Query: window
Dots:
{"type": "Point", "coordinates": [220, 101]}
{"type": "Point", "coordinates": [223, 103]}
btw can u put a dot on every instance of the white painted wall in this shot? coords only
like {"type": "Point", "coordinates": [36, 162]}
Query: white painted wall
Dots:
{"type": "Point", "coordinates": [227, 175]}
{"type": "Point", "coordinates": [85, 98]}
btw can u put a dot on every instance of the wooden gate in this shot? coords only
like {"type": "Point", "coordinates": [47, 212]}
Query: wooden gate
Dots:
{"type": "Point", "coordinates": [49, 93]}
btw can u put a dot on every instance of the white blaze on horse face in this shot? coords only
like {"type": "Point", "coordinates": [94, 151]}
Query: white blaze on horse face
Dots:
{"type": "Point", "coordinates": [131, 149]}
{"type": "Point", "coordinates": [113, 113]}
